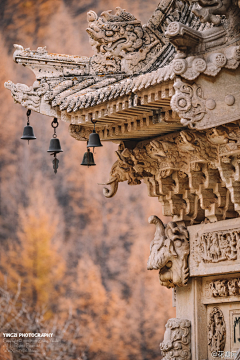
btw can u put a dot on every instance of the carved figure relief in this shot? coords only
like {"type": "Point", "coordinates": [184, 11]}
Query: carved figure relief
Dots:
{"type": "Point", "coordinates": [177, 340]}
{"type": "Point", "coordinates": [216, 331]}
{"type": "Point", "coordinates": [222, 288]}
{"type": "Point", "coordinates": [169, 252]}
{"type": "Point", "coordinates": [217, 246]}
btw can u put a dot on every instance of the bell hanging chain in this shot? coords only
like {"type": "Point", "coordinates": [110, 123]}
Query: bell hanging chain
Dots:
{"type": "Point", "coordinates": [94, 123]}
{"type": "Point", "coordinates": [28, 122]}
{"type": "Point", "coordinates": [28, 114]}
{"type": "Point", "coordinates": [55, 124]}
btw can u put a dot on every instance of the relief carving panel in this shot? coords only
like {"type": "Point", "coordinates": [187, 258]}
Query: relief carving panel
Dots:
{"type": "Point", "coordinates": [217, 246]}
{"type": "Point", "coordinates": [221, 290]}
{"type": "Point", "coordinates": [215, 249]}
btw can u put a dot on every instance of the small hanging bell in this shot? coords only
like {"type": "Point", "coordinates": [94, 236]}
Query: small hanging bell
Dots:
{"type": "Point", "coordinates": [55, 147]}
{"type": "Point", "coordinates": [28, 133]}
{"type": "Point", "coordinates": [94, 139]}
{"type": "Point", "coordinates": [88, 159]}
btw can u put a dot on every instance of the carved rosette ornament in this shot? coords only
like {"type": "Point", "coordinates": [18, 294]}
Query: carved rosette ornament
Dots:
{"type": "Point", "coordinates": [188, 102]}
{"type": "Point", "coordinates": [169, 253]}
{"type": "Point", "coordinates": [216, 331]}
{"type": "Point", "coordinates": [177, 340]}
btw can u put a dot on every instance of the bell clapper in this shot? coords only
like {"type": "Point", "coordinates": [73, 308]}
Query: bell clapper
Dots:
{"type": "Point", "coordinates": [55, 162]}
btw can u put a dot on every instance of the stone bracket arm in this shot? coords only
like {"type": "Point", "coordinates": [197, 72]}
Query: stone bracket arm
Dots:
{"type": "Point", "coordinates": [184, 38]}
{"type": "Point", "coordinates": [194, 174]}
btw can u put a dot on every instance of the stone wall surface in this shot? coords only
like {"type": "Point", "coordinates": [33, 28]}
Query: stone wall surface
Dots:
{"type": "Point", "coordinates": [211, 299]}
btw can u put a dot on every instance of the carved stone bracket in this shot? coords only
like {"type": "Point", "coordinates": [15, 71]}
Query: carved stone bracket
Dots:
{"type": "Point", "coordinates": [177, 340]}
{"type": "Point", "coordinates": [194, 174]}
{"type": "Point", "coordinates": [169, 252]}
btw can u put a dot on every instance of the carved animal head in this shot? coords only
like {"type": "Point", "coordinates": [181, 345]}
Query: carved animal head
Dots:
{"type": "Point", "coordinates": [122, 170]}
{"type": "Point", "coordinates": [114, 32]}
{"type": "Point", "coordinates": [169, 252]}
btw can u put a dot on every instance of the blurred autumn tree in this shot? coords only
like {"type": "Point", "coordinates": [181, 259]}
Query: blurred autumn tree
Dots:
{"type": "Point", "coordinates": [35, 260]}
{"type": "Point", "coordinates": [70, 246]}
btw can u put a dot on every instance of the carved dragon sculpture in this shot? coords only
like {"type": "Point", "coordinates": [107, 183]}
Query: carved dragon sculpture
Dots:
{"type": "Point", "coordinates": [117, 39]}
{"type": "Point", "coordinates": [122, 170]}
{"type": "Point", "coordinates": [169, 252]}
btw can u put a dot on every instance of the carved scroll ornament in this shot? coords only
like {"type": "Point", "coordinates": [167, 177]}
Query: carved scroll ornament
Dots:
{"type": "Point", "coordinates": [188, 102]}
{"type": "Point", "coordinates": [177, 340]}
{"type": "Point", "coordinates": [169, 252]}
{"type": "Point", "coordinates": [216, 331]}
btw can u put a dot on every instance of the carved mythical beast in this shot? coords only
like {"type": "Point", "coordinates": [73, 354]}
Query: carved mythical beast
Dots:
{"type": "Point", "coordinates": [177, 339]}
{"type": "Point", "coordinates": [210, 10]}
{"type": "Point", "coordinates": [120, 42]}
{"type": "Point", "coordinates": [169, 252]}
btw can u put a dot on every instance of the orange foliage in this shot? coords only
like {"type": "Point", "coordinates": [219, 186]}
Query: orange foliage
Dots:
{"type": "Point", "coordinates": [48, 220]}
{"type": "Point", "coordinates": [36, 261]}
